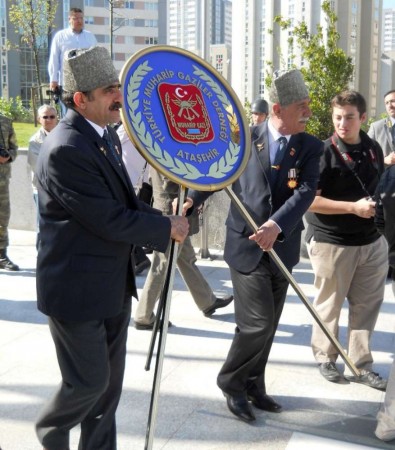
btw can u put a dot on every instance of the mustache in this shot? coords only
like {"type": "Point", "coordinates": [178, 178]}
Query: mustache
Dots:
{"type": "Point", "coordinates": [116, 106]}
{"type": "Point", "coordinates": [303, 120]}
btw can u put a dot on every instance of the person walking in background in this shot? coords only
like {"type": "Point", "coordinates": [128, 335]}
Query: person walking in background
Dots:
{"type": "Point", "coordinates": [90, 219]}
{"type": "Point", "coordinates": [8, 153]}
{"type": "Point", "coordinates": [385, 223]}
{"type": "Point", "coordinates": [137, 169]}
{"type": "Point", "coordinates": [47, 117]}
{"type": "Point", "coordinates": [132, 159]}
{"type": "Point", "coordinates": [383, 130]}
{"type": "Point", "coordinates": [75, 36]}
{"type": "Point", "coordinates": [348, 255]}
{"type": "Point", "coordinates": [259, 111]}
{"type": "Point", "coordinates": [164, 192]}
{"type": "Point", "coordinates": [277, 187]}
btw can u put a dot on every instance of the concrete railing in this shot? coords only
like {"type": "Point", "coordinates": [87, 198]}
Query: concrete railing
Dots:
{"type": "Point", "coordinates": [23, 209]}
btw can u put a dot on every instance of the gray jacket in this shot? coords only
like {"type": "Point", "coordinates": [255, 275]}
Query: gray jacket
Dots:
{"type": "Point", "coordinates": [380, 131]}
{"type": "Point", "coordinates": [164, 191]}
{"type": "Point", "coordinates": [33, 151]}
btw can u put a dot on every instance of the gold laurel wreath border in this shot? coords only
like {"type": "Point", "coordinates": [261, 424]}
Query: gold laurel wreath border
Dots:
{"type": "Point", "coordinates": [217, 170]}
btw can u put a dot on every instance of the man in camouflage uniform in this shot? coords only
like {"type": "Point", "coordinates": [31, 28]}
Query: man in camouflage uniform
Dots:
{"type": "Point", "coordinates": [8, 151]}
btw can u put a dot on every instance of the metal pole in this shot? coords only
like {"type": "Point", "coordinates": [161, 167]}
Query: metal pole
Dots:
{"type": "Point", "coordinates": [204, 251]}
{"type": "Point", "coordinates": [161, 306]}
{"type": "Point", "coordinates": [295, 285]}
{"type": "Point", "coordinates": [162, 337]}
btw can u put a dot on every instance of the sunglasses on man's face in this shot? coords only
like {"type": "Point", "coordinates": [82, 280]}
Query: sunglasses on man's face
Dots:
{"type": "Point", "coordinates": [48, 117]}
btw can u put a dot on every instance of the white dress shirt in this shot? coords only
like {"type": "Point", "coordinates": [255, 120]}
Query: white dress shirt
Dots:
{"type": "Point", "coordinates": [63, 41]}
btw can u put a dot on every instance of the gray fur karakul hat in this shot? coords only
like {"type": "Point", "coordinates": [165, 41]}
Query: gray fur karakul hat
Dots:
{"type": "Point", "coordinates": [87, 69]}
{"type": "Point", "coordinates": [288, 88]}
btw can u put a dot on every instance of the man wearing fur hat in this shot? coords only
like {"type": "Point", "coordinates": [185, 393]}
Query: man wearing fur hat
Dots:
{"type": "Point", "coordinates": [277, 187]}
{"type": "Point", "coordinates": [90, 220]}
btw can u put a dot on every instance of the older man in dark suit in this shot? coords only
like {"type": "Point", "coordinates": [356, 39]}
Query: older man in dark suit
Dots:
{"type": "Point", "coordinates": [277, 188]}
{"type": "Point", "coordinates": [90, 219]}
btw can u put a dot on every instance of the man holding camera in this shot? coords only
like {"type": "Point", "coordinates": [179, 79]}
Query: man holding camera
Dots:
{"type": "Point", "coordinates": [72, 37]}
{"type": "Point", "coordinates": [347, 253]}
{"type": "Point", "coordinates": [8, 150]}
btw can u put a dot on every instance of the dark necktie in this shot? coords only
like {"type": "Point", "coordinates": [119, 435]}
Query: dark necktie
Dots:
{"type": "Point", "coordinates": [282, 144]}
{"type": "Point", "coordinates": [114, 156]}
{"type": "Point", "coordinates": [393, 134]}
{"type": "Point", "coordinates": [110, 145]}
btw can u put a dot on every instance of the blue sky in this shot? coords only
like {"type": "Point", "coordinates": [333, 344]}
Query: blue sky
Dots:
{"type": "Point", "coordinates": [388, 3]}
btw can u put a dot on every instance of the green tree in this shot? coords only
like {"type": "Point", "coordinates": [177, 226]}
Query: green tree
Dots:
{"type": "Point", "coordinates": [327, 71]}
{"type": "Point", "coordinates": [247, 110]}
{"type": "Point", "coordinates": [33, 21]}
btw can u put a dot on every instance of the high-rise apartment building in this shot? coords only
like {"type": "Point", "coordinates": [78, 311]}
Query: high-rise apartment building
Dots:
{"type": "Point", "coordinates": [125, 27]}
{"type": "Point", "coordinates": [196, 24]}
{"type": "Point", "coordinates": [388, 55]}
{"type": "Point", "coordinates": [203, 27]}
{"type": "Point", "coordinates": [122, 26]}
{"type": "Point", "coordinates": [134, 24]}
{"type": "Point", "coordinates": [358, 25]}
{"type": "Point", "coordinates": [388, 30]}
{"type": "Point", "coordinates": [4, 63]}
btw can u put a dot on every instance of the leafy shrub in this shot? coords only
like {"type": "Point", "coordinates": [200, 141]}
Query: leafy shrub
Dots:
{"type": "Point", "coordinates": [14, 109]}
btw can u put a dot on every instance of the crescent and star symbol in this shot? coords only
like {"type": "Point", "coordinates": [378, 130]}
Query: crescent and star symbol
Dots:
{"type": "Point", "coordinates": [180, 92]}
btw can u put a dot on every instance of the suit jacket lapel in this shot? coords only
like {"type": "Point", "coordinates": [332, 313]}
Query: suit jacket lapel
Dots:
{"type": "Point", "coordinates": [260, 145]}
{"type": "Point", "coordinates": [118, 165]}
{"type": "Point", "coordinates": [85, 128]}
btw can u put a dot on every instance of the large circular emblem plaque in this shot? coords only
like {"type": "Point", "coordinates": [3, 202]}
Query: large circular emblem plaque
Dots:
{"type": "Point", "coordinates": [184, 118]}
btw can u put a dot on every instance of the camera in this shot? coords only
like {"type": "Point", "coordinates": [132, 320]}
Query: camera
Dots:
{"type": "Point", "coordinates": [4, 153]}
{"type": "Point", "coordinates": [56, 93]}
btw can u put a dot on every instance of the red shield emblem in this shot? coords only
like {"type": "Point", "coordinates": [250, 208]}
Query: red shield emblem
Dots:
{"type": "Point", "coordinates": [186, 113]}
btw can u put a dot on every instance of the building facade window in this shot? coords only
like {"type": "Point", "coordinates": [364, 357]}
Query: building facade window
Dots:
{"type": "Point", "coordinates": [151, 40]}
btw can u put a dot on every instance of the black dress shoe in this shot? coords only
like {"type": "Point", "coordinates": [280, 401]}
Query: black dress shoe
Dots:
{"type": "Point", "coordinates": [219, 303]}
{"type": "Point", "coordinates": [239, 406]}
{"type": "Point", "coordinates": [265, 402]}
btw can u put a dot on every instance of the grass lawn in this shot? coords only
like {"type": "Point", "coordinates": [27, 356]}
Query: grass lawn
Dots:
{"type": "Point", "coordinates": [24, 131]}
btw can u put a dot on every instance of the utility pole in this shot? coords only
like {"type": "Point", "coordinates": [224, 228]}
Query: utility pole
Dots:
{"type": "Point", "coordinates": [205, 11]}
{"type": "Point", "coordinates": [111, 10]}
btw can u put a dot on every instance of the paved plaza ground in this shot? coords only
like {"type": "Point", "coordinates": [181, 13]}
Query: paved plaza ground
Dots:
{"type": "Point", "coordinates": [192, 412]}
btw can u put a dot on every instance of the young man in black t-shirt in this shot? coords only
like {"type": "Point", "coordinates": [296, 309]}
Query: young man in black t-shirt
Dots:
{"type": "Point", "coordinates": [348, 255]}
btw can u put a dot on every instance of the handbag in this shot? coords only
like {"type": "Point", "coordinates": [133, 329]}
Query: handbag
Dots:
{"type": "Point", "coordinates": [144, 189]}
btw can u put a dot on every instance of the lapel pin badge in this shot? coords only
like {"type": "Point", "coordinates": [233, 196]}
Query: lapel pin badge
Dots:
{"type": "Point", "coordinates": [260, 146]}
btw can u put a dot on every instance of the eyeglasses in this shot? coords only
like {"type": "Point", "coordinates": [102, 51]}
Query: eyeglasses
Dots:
{"type": "Point", "coordinates": [48, 117]}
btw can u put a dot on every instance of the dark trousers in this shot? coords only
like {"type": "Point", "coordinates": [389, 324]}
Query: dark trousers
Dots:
{"type": "Point", "coordinates": [259, 301]}
{"type": "Point", "coordinates": [91, 357]}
